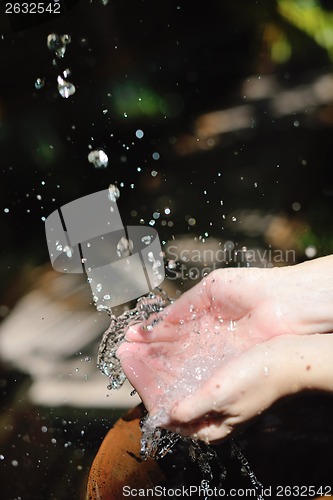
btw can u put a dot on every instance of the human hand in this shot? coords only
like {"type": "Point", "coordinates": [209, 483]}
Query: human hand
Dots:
{"type": "Point", "coordinates": [251, 382]}
{"type": "Point", "coordinates": [209, 334]}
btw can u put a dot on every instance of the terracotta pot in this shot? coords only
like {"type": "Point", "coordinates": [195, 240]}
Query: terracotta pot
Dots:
{"type": "Point", "coordinates": [118, 463]}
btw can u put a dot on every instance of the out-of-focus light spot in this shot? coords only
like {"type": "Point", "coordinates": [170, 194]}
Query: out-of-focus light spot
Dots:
{"type": "Point", "coordinates": [139, 133]}
{"type": "Point", "coordinates": [171, 105]}
{"type": "Point", "coordinates": [227, 120]}
{"type": "Point", "coordinates": [260, 87]}
{"type": "Point", "coordinates": [311, 18]}
{"type": "Point", "coordinates": [134, 100]}
{"type": "Point", "coordinates": [281, 50]}
{"type": "Point", "coordinates": [296, 206]}
{"type": "Point", "coordinates": [299, 98]}
{"type": "Point", "coordinates": [310, 251]}
{"type": "Point", "coordinates": [156, 156]}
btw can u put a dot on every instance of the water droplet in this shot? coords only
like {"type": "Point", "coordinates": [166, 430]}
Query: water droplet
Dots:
{"type": "Point", "coordinates": [44, 429]}
{"type": "Point", "coordinates": [151, 257]}
{"type": "Point", "coordinates": [101, 308]}
{"type": "Point", "coordinates": [139, 134]}
{"type": "Point", "coordinates": [66, 73]}
{"type": "Point", "coordinates": [124, 247]}
{"type": "Point", "coordinates": [14, 463]}
{"type": "Point", "coordinates": [153, 173]}
{"type": "Point", "coordinates": [232, 326]}
{"type": "Point", "coordinates": [296, 206]}
{"type": "Point", "coordinates": [66, 39]}
{"type": "Point", "coordinates": [68, 251]}
{"type": "Point", "coordinates": [146, 239]}
{"type": "Point", "coordinates": [39, 83]}
{"type": "Point", "coordinates": [98, 158]}
{"type": "Point", "coordinates": [65, 88]}
{"type": "Point", "coordinates": [114, 193]}
{"type": "Point", "coordinates": [57, 44]}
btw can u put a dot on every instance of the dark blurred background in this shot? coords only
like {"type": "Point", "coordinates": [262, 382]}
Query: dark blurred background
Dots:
{"type": "Point", "coordinates": [217, 122]}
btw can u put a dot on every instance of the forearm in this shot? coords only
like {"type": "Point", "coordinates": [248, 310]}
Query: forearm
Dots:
{"type": "Point", "coordinates": [253, 381]}
{"type": "Point", "coordinates": [311, 363]}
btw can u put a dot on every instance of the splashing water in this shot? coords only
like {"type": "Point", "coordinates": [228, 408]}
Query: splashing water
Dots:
{"type": "Point", "coordinates": [156, 441]}
{"type": "Point", "coordinates": [239, 454]}
{"type": "Point", "coordinates": [107, 360]}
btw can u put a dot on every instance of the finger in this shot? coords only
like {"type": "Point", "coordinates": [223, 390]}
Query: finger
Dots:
{"type": "Point", "coordinates": [201, 403]}
{"type": "Point", "coordinates": [197, 299]}
{"type": "Point", "coordinates": [140, 374]}
{"type": "Point", "coordinates": [208, 430]}
{"type": "Point", "coordinates": [220, 291]}
{"type": "Point", "coordinates": [215, 431]}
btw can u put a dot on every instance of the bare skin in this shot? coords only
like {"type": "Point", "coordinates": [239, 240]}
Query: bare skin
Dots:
{"type": "Point", "coordinates": [258, 332]}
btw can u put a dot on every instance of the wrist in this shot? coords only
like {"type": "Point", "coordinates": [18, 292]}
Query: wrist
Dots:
{"type": "Point", "coordinates": [308, 290]}
{"type": "Point", "coordinates": [301, 363]}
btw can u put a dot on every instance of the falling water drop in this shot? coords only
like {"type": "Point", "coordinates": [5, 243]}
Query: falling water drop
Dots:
{"type": "Point", "coordinates": [114, 193]}
{"type": "Point", "coordinates": [124, 247]}
{"type": "Point", "coordinates": [98, 158]}
{"type": "Point", "coordinates": [146, 239]}
{"type": "Point", "coordinates": [57, 43]}
{"type": "Point", "coordinates": [39, 83]}
{"type": "Point", "coordinates": [65, 88]}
